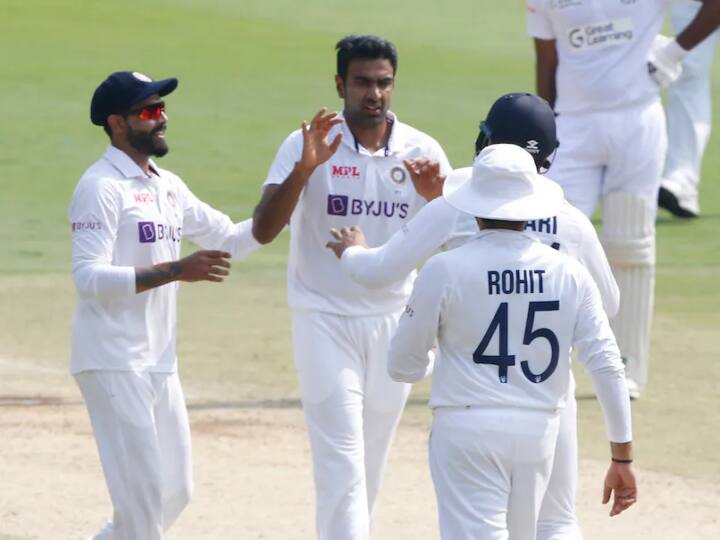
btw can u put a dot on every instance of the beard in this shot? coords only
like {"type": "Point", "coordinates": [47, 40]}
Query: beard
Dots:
{"type": "Point", "coordinates": [357, 116]}
{"type": "Point", "coordinates": [146, 143]}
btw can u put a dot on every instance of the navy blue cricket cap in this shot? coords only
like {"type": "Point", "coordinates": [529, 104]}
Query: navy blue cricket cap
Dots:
{"type": "Point", "coordinates": [121, 90]}
{"type": "Point", "coordinates": [525, 120]}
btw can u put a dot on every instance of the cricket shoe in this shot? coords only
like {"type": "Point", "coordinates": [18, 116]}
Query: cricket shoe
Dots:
{"type": "Point", "coordinates": [678, 198]}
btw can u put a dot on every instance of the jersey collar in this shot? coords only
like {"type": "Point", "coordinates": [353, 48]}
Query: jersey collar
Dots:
{"type": "Point", "coordinates": [124, 163]}
{"type": "Point", "coordinates": [392, 146]}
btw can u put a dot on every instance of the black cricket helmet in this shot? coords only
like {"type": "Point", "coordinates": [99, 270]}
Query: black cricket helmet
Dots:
{"type": "Point", "coordinates": [525, 120]}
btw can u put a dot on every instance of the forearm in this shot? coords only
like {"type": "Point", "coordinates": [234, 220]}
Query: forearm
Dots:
{"type": "Point", "coordinates": [157, 275]}
{"type": "Point", "coordinates": [379, 267]}
{"type": "Point", "coordinates": [705, 22]}
{"type": "Point", "coordinates": [546, 62]}
{"type": "Point", "coordinates": [613, 397]}
{"type": "Point", "coordinates": [274, 211]}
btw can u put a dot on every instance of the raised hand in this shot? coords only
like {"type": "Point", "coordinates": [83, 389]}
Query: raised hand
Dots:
{"type": "Point", "coordinates": [426, 177]}
{"type": "Point", "coordinates": [346, 237]}
{"type": "Point", "coordinates": [316, 148]}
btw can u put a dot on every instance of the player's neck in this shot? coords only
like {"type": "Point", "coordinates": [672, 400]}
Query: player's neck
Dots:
{"type": "Point", "coordinates": [142, 160]}
{"type": "Point", "coordinates": [372, 138]}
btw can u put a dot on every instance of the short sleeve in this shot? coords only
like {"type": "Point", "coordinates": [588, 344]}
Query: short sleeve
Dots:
{"type": "Point", "coordinates": [288, 154]}
{"type": "Point", "coordinates": [538, 22]}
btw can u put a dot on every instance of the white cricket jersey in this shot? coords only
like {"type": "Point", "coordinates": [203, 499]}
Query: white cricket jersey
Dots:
{"type": "Point", "coordinates": [354, 187]}
{"type": "Point", "coordinates": [602, 49]}
{"type": "Point", "coordinates": [506, 309]}
{"type": "Point", "coordinates": [122, 219]}
{"type": "Point", "coordinates": [439, 225]}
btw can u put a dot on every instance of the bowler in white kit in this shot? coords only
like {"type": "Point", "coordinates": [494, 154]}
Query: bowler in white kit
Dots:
{"type": "Point", "coordinates": [600, 64]}
{"type": "Point", "coordinates": [505, 310]}
{"type": "Point", "coordinates": [128, 217]}
{"type": "Point", "coordinates": [340, 170]}
{"type": "Point", "coordinates": [528, 122]}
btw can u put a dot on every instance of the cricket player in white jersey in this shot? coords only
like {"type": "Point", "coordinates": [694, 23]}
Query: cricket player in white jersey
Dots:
{"type": "Point", "coordinates": [689, 117]}
{"type": "Point", "coordinates": [128, 217]}
{"type": "Point", "coordinates": [337, 171]}
{"type": "Point", "coordinates": [506, 309]}
{"type": "Point", "coordinates": [600, 65]}
{"type": "Point", "coordinates": [528, 122]}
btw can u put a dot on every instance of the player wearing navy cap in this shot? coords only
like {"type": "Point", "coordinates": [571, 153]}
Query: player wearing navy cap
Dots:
{"type": "Point", "coordinates": [128, 217]}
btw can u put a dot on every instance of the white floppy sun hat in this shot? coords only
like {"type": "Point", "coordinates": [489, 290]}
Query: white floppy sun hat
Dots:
{"type": "Point", "coordinates": [503, 184]}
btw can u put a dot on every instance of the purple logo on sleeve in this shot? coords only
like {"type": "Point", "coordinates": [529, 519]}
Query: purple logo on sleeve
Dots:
{"type": "Point", "coordinates": [146, 232]}
{"type": "Point", "coordinates": [337, 205]}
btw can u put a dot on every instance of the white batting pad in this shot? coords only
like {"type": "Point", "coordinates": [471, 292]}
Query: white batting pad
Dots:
{"type": "Point", "coordinates": [629, 240]}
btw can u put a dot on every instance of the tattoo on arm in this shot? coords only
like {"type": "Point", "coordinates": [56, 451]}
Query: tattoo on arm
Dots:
{"type": "Point", "coordinates": [155, 276]}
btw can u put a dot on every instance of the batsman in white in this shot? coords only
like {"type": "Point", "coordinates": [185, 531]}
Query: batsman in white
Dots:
{"type": "Point", "coordinates": [336, 171]}
{"type": "Point", "coordinates": [506, 309]}
{"type": "Point", "coordinates": [528, 122]}
{"type": "Point", "coordinates": [599, 64]}
{"type": "Point", "coordinates": [689, 116]}
{"type": "Point", "coordinates": [128, 217]}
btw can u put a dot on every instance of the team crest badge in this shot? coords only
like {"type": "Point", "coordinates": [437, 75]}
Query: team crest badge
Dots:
{"type": "Point", "coordinates": [398, 175]}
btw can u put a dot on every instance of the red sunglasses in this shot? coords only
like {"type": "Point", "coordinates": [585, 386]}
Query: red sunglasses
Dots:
{"type": "Point", "coordinates": [150, 112]}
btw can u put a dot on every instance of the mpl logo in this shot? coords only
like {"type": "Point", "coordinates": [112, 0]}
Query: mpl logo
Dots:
{"type": "Point", "coordinates": [143, 197]}
{"type": "Point", "coordinates": [345, 171]}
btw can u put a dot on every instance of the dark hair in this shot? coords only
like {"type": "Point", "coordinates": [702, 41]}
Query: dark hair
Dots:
{"type": "Point", "coordinates": [106, 129]}
{"type": "Point", "coordinates": [365, 47]}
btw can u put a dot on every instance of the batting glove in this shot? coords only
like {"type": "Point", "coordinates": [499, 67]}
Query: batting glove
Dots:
{"type": "Point", "coordinates": [665, 60]}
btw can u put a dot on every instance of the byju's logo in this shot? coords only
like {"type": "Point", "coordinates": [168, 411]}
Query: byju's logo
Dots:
{"type": "Point", "coordinates": [149, 232]}
{"type": "Point", "coordinates": [146, 232]}
{"type": "Point", "coordinates": [337, 205]}
{"type": "Point", "coordinates": [341, 205]}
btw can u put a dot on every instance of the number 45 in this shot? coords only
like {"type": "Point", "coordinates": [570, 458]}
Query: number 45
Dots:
{"type": "Point", "coordinates": [505, 360]}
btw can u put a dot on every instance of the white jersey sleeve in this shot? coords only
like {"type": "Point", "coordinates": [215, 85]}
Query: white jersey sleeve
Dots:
{"type": "Point", "coordinates": [599, 354]}
{"type": "Point", "coordinates": [407, 249]}
{"type": "Point", "coordinates": [592, 256]}
{"type": "Point", "coordinates": [212, 229]}
{"type": "Point", "coordinates": [94, 216]}
{"type": "Point", "coordinates": [408, 358]}
{"type": "Point", "coordinates": [288, 154]}
{"type": "Point", "coordinates": [538, 23]}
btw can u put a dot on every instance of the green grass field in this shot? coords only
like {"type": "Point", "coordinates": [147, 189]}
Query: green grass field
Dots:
{"type": "Point", "coordinates": [250, 72]}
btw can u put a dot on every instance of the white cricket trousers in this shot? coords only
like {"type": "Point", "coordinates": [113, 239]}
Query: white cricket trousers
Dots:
{"type": "Point", "coordinates": [352, 409]}
{"type": "Point", "coordinates": [689, 106]}
{"type": "Point", "coordinates": [616, 156]}
{"type": "Point", "coordinates": [606, 151]}
{"type": "Point", "coordinates": [143, 436]}
{"type": "Point", "coordinates": [490, 468]}
{"type": "Point", "coordinates": [558, 518]}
